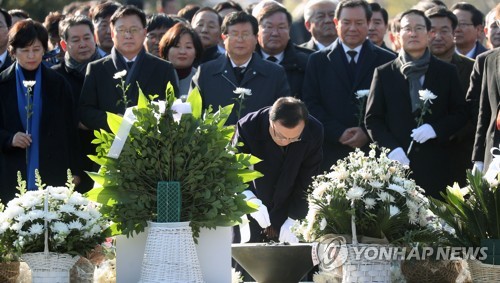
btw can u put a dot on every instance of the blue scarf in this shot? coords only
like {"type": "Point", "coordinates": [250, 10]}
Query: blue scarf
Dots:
{"type": "Point", "coordinates": [33, 122]}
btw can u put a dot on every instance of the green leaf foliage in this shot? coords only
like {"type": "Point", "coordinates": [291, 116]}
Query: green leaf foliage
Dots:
{"type": "Point", "coordinates": [196, 151]}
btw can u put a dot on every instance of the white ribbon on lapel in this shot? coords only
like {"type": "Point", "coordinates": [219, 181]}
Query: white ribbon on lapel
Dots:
{"type": "Point", "coordinates": [120, 138]}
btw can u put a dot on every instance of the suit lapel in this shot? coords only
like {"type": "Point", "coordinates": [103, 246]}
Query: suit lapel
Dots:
{"type": "Point", "coordinates": [365, 64]}
{"type": "Point", "coordinates": [337, 64]}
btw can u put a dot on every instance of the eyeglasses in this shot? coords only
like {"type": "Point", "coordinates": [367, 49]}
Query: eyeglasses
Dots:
{"type": "Point", "coordinates": [243, 36]}
{"type": "Point", "coordinates": [464, 25]}
{"type": "Point", "coordinates": [131, 31]}
{"type": "Point", "coordinates": [416, 29]}
{"type": "Point", "coordinates": [279, 137]}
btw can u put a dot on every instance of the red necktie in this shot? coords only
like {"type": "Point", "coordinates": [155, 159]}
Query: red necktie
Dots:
{"type": "Point", "coordinates": [498, 121]}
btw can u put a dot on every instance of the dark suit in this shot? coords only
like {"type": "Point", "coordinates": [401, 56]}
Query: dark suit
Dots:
{"type": "Point", "coordinates": [217, 81]}
{"type": "Point", "coordinates": [287, 171]}
{"type": "Point", "coordinates": [310, 45]}
{"type": "Point", "coordinates": [7, 63]}
{"type": "Point", "coordinates": [479, 49]}
{"type": "Point", "coordinates": [210, 54]}
{"type": "Point", "coordinates": [329, 92]}
{"type": "Point", "coordinates": [462, 142]}
{"type": "Point", "coordinates": [100, 92]}
{"type": "Point", "coordinates": [294, 62]}
{"type": "Point", "coordinates": [487, 135]}
{"type": "Point", "coordinates": [390, 121]}
{"type": "Point", "coordinates": [58, 135]}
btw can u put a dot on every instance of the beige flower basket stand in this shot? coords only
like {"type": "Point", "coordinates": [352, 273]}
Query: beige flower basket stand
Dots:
{"type": "Point", "coordinates": [47, 267]}
{"type": "Point", "coordinates": [170, 254]}
{"type": "Point", "coordinates": [351, 269]}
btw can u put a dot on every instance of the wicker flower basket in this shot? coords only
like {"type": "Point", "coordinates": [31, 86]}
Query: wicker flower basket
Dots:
{"type": "Point", "coordinates": [9, 271]}
{"type": "Point", "coordinates": [170, 254]}
{"type": "Point", "coordinates": [431, 271]}
{"type": "Point", "coordinates": [49, 267]}
{"type": "Point", "coordinates": [483, 273]}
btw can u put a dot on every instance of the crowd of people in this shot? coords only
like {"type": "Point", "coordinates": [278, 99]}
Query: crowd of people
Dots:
{"type": "Point", "coordinates": [305, 112]}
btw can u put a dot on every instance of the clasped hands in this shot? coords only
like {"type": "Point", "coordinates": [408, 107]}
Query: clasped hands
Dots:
{"type": "Point", "coordinates": [262, 218]}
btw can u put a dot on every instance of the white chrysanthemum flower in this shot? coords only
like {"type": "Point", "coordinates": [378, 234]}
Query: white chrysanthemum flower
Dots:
{"type": "Point", "coordinates": [119, 75]}
{"type": "Point", "coordinates": [29, 83]}
{"type": "Point", "coordinates": [396, 188]}
{"type": "Point", "coordinates": [13, 211]}
{"type": "Point", "coordinates": [60, 227]}
{"type": "Point", "coordinates": [355, 193]}
{"type": "Point", "coordinates": [36, 214]}
{"type": "Point", "coordinates": [385, 196]}
{"type": "Point", "coordinates": [426, 95]}
{"type": "Point", "coordinates": [398, 180]}
{"type": "Point", "coordinates": [16, 226]}
{"type": "Point", "coordinates": [83, 214]}
{"type": "Point", "coordinates": [242, 92]}
{"type": "Point", "coordinates": [3, 227]}
{"type": "Point", "coordinates": [362, 93]}
{"type": "Point", "coordinates": [370, 203]}
{"type": "Point", "coordinates": [365, 175]}
{"type": "Point", "coordinates": [320, 189]}
{"type": "Point", "coordinates": [30, 201]}
{"type": "Point", "coordinates": [75, 225]}
{"type": "Point", "coordinates": [393, 210]}
{"type": "Point", "coordinates": [94, 213]}
{"type": "Point", "coordinates": [67, 208]}
{"type": "Point", "coordinates": [22, 218]}
{"type": "Point", "coordinates": [376, 184]}
{"type": "Point", "coordinates": [322, 224]}
{"type": "Point", "coordinates": [77, 199]}
{"type": "Point", "coordinates": [62, 196]}
{"type": "Point", "coordinates": [36, 229]}
{"type": "Point", "coordinates": [51, 216]}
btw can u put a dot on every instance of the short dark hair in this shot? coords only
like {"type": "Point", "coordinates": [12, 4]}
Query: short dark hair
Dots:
{"type": "Point", "coordinates": [103, 10]}
{"type": "Point", "coordinates": [353, 4]}
{"type": "Point", "coordinates": [173, 36]}
{"type": "Point", "coordinates": [128, 10]}
{"type": "Point", "coordinates": [52, 21]}
{"type": "Point", "coordinates": [160, 20]}
{"type": "Point", "coordinates": [377, 8]}
{"type": "Point", "coordinates": [19, 13]}
{"type": "Point", "coordinates": [72, 21]}
{"type": "Point", "coordinates": [8, 18]}
{"type": "Point", "coordinates": [395, 26]}
{"type": "Point", "coordinates": [189, 11]}
{"type": "Point", "coordinates": [418, 13]}
{"type": "Point", "coordinates": [270, 9]}
{"type": "Point", "coordinates": [477, 16]}
{"type": "Point", "coordinates": [441, 12]}
{"type": "Point", "coordinates": [208, 9]}
{"type": "Point", "coordinates": [289, 111]}
{"type": "Point", "coordinates": [25, 32]}
{"type": "Point", "coordinates": [227, 5]}
{"type": "Point", "coordinates": [239, 17]}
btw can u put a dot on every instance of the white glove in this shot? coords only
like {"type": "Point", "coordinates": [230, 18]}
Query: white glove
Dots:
{"type": "Point", "coordinates": [478, 167]}
{"type": "Point", "coordinates": [423, 133]}
{"type": "Point", "coordinates": [286, 234]}
{"type": "Point", "coordinates": [399, 155]}
{"type": "Point", "coordinates": [261, 215]}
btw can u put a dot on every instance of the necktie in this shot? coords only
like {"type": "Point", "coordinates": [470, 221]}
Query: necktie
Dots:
{"type": "Point", "coordinates": [352, 63]}
{"type": "Point", "coordinates": [272, 59]}
{"type": "Point", "coordinates": [130, 64]}
{"type": "Point", "coordinates": [238, 73]}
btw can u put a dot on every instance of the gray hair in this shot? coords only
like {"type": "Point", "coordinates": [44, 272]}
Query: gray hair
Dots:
{"type": "Point", "coordinates": [308, 9]}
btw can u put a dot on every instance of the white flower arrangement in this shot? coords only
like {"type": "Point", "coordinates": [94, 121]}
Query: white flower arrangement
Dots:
{"type": "Point", "coordinates": [375, 190]}
{"type": "Point", "coordinates": [74, 224]}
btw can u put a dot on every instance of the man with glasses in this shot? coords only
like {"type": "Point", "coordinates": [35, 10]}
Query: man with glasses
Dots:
{"type": "Point", "coordinates": [5, 22]}
{"type": "Point", "coordinates": [275, 44]}
{"type": "Point", "coordinates": [289, 142]}
{"type": "Point", "coordinates": [394, 106]}
{"type": "Point", "coordinates": [441, 45]}
{"type": "Point", "coordinates": [219, 79]}
{"type": "Point", "coordinates": [469, 27]}
{"type": "Point", "coordinates": [100, 92]}
{"type": "Point", "coordinates": [156, 26]}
